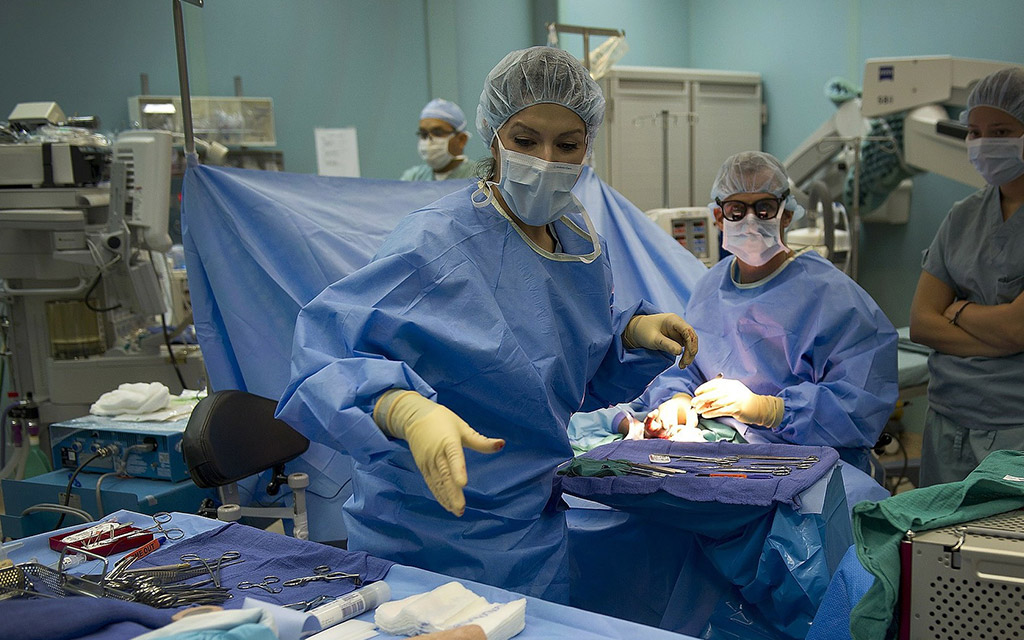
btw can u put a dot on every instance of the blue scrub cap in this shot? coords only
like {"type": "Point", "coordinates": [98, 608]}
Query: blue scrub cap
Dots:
{"type": "Point", "coordinates": [533, 76]}
{"type": "Point", "coordinates": [1003, 90]}
{"type": "Point", "coordinates": [754, 172]}
{"type": "Point", "coordinates": [446, 111]}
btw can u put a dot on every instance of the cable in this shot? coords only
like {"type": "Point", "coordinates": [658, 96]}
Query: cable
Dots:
{"type": "Point", "coordinates": [100, 453]}
{"type": "Point", "coordinates": [906, 461]}
{"type": "Point", "coordinates": [167, 337]}
{"type": "Point", "coordinates": [170, 353]}
{"type": "Point", "coordinates": [99, 496]}
{"type": "Point", "coordinates": [92, 287]}
{"type": "Point", "coordinates": [897, 480]}
{"type": "Point", "coordinates": [62, 509]}
{"type": "Point", "coordinates": [120, 471]}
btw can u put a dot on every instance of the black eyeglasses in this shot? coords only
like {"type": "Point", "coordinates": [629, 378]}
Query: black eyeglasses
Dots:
{"type": "Point", "coordinates": [436, 132]}
{"type": "Point", "coordinates": [765, 209]}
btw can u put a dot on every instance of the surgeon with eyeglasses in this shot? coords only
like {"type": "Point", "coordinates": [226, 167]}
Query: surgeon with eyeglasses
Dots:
{"type": "Point", "coordinates": [448, 367]}
{"type": "Point", "coordinates": [791, 349]}
{"type": "Point", "coordinates": [441, 139]}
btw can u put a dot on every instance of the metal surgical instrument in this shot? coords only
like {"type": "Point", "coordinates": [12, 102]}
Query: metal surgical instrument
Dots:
{"type": "Point", "coordinates": [159, 520]}
{"type": "Point", "coordinates": [227, 557]}
{"type": "Point", "coordinates": [306, 605]}
{"type": "Point", "coordinates": [265, 585]}
{"type": "Point", "coordinates": [323, 572]}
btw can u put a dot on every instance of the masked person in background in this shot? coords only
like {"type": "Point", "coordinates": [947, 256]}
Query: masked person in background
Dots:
{"type": "Point", "coordinates": [791, 349]}
{"type": "Point", "coordinates": [969, 305]}
{"type": "Point", "coordinates": [491, 309]}
{"type": "Point", "coordinates": [442, 137]}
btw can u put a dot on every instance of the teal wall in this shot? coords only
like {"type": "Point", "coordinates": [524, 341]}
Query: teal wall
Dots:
{"type": "Point", "coordinates": [369, 64]}
{"type": "Point", "coordinates": [656, 30]}
{"type": "Point", "coordinates": [372, 64]}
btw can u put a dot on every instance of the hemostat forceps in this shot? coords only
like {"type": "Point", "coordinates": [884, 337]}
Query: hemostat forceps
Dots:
{"type": "Point", "coordinates": [323, 572]}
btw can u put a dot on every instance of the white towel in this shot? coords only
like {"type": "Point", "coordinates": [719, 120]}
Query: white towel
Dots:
{"type": "Point", "coordinates": [448, 606]}
{"type": "Point", "coordinates": [132, 397]}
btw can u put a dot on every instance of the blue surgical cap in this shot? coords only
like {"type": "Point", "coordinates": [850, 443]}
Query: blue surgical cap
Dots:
{"type": "Point", "coordinates": [533, 76]}
{"type": "Point", "coordinates": [754, 172]}
{"type": "Point", "coordinates": [446, 111]}
{"type": "Point", "coordinates": [1003, 90]}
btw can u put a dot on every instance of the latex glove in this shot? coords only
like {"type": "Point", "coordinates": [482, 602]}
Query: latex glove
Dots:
{"type": "Point", "coordinates": [436, 437]}
{"type": "Point", "coordinates": [662, 332]}
{"type": "Point", "coordinates": [731, 398]}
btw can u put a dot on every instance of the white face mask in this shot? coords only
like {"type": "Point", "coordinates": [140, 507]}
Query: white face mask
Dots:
{"type": "Point", "coordinates": [434, 151]}
{"type": "Point", "coordinates": [998, 160]}
{"type": "Point", "coordinates": [537, 191]}
{"type": "Point", "coordinates": [752, 240]}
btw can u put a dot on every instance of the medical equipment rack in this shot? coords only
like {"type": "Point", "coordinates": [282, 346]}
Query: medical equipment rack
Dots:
{"type": "Point", "coordinates": [965, 581]}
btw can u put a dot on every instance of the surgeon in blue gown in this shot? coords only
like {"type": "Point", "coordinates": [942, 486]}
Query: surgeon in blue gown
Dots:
{"type": "Point", "coordinates": [449, 365]}
{"type": "Point", "coordinates": [791, 349]}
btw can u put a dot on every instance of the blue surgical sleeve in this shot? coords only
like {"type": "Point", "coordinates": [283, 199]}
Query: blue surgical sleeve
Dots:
{"type": "Point", "coordinates": [850, 405]}
{"type": "Point", "coordinates": [332, 394]}
{"type": "Point", "coordinates": [624, 373]}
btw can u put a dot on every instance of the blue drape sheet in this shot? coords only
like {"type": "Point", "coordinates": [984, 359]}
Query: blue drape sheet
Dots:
{"type": "Point", "coordinates": [718, 543]}
{"type": "Point", "coordinates": [260, 245]}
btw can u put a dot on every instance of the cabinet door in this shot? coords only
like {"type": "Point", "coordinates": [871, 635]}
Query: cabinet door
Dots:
{"type": "Point", "coordinates": [727, 121]}
{"type": "Point", "coordinates": [637, 147]}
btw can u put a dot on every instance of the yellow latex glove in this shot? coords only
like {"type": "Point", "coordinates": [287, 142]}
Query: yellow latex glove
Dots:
{"type": "Point", "coordinates": [436, 437]}
{"type": "Point", "coordinates": [724, 397]}
{"type": "Point", "coordinates": [662, 332]}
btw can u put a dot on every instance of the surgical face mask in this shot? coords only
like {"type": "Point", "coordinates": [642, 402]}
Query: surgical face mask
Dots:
{"type": "Point", "coordinates": [753, 241]}
{"type": "Point", "coordinates": [434, 151]}
{"type": "Point", "coordinates": [537, 191]}
{"type": "Point", "coordinates": [998, 160]}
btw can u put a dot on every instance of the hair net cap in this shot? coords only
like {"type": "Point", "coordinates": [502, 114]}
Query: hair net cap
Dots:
{"type": "Point", "coordinates": [755, 172]}
{"type": "Point", "coordinates": [449, 112]}
{"type": "Point", "coordinates": [538, 75]}
{"type": "Point", "coordinates": [1003, 90]}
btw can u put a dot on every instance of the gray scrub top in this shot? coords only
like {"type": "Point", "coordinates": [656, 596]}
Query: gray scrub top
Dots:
{"type": "Point", "coordinates": [981, 258]}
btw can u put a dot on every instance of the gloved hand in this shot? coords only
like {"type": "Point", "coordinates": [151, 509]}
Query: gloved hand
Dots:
{"type": "Point", "coordinates": [724, 397]}
{"type": "Point", "coordinates": [662, 332]}
{"type": "Point", "coordinates": [436, 437]}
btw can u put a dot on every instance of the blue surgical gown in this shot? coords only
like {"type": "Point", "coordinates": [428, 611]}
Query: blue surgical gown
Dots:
{"type": "Point", "coordinates": [809, 335]}
{"type": "Point", "coordinates": [457, 306]}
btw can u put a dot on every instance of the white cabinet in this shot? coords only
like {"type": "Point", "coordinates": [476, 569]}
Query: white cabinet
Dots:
{"type": "Point", "coordinates": [667, 131]}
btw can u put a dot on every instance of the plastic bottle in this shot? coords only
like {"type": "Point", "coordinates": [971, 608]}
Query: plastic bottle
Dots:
{"type": "Point", "coordinates": [352, 604]}
{"type": "Point", "coordinates": [38, 462]}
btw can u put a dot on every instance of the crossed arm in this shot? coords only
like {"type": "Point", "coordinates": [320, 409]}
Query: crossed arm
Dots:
{"type": "Point", "coordinates": [981, 330]}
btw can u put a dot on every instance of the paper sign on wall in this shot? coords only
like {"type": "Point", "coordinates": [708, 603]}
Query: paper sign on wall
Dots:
{"type": "Point", "coordinates": [337, 152]}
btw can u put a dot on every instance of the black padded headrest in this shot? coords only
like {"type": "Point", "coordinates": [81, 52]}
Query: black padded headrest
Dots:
{"type": "Point", "coordinates": [233, 434]}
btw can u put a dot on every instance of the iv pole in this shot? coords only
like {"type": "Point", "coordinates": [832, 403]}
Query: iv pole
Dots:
{"type": "Point", "coordinates": [186, 98]}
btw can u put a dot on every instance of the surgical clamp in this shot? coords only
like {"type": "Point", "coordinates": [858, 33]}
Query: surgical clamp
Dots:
{"type": "Point", "coordinates": [227, 557]}
{"type": "Point", "coordinates": [323, 572]}
{"type": "Point", "coordinates": [265, 585]}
